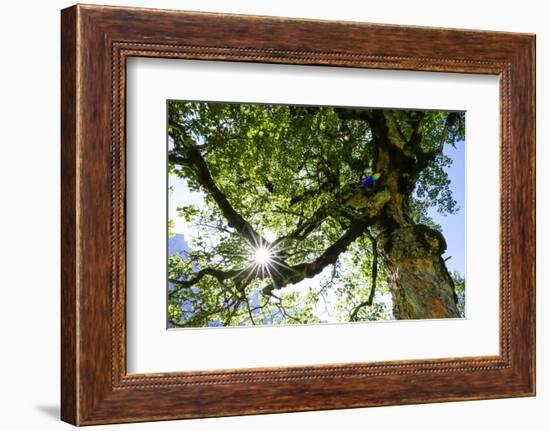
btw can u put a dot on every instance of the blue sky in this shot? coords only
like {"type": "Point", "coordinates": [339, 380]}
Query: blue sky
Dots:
{"type": "Point", "coordinates": [454, 225]}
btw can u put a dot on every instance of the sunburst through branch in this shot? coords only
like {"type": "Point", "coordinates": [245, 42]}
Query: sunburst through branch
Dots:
{"type": "Point", "coordinates": [262, 256]}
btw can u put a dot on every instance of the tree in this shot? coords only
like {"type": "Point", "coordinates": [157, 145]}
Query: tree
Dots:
{"type": "Point", "coordinates": [290, 195]}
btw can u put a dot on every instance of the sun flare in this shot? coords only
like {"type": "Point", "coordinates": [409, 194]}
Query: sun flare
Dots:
{"type": "Point", "coordinates": [262, 256]}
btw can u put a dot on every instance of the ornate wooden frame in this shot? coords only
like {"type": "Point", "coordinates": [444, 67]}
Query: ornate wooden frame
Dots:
{"type": "Point", "coordinates": [95, 43]}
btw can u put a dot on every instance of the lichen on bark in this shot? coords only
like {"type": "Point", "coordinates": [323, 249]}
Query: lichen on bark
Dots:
{"type": "Point", "coordinates": [420, 284]}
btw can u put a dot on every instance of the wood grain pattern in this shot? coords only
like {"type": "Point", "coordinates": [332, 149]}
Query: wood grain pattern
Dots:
{"type": "Point", "coordinates": [69, 398]}
{"type": "Point", "coordinates": [96, 41]}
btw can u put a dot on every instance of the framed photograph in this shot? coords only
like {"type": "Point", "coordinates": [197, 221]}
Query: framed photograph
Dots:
{"type": "Point", "coordinates": [264, 215]}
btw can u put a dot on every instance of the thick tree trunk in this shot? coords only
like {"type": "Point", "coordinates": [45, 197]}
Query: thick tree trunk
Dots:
{"type": "Point", "coordinates": [420, 284]}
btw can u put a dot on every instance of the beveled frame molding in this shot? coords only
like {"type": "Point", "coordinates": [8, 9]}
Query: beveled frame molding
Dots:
{"type": "Point", "coordinates": [96, 41]}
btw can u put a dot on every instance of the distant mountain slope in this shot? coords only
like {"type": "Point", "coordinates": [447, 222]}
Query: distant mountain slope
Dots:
{"type": "Point", "coordinates": [178, 245]}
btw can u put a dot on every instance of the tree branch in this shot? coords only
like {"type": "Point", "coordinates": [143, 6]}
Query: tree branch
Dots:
{"type": "Point", "coordinates": [354, 114]}
{"type": "Point", "coordinates": [213, 272]}
{"type": "Point", "coordinates": [292, 275]}
{"type": "Point", "coordinates": [374, 277]}
{"type": "Point", "coordinates": [194, 160]}
{"type": "Point", "coordinates": [395, 136]}
{"type": "Point", "coordinates": [374, 270]}
{"type": "Point", "coordinates": [306, 227]}
{"type": "Point", "coordinates": [425, 157]}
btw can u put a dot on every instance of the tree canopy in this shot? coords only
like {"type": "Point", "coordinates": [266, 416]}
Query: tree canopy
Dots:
{"type": "Point", "coordinates": [298, 205]}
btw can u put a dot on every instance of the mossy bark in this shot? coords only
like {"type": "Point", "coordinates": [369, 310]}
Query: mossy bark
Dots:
{"type": "Point", "coordinates": [421, 286]}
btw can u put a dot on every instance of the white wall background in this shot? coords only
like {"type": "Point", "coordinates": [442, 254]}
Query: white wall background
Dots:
{"type": "Point", "coordinates": [29, 215]}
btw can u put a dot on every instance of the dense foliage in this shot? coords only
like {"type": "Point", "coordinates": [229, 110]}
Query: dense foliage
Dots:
{"type": "Point", "coordinates": [278, 238]}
